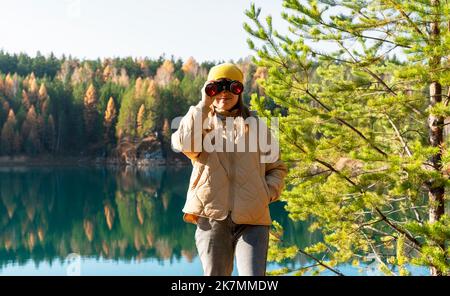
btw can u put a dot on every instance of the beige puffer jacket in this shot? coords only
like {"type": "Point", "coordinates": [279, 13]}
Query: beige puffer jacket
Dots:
{"type": "Point", "coordinates": [223, 182]}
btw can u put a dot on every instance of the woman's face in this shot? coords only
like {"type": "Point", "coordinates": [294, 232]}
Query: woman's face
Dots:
{"type": "Point", "coordinates": [225, 100]}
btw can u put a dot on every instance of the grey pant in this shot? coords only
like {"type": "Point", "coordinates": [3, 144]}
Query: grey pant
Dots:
{"type": "Point", "coordinates": [219, 241]}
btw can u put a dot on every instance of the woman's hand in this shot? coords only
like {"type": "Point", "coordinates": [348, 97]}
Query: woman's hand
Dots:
{"type": "Point", "coordinates": [205, 98]}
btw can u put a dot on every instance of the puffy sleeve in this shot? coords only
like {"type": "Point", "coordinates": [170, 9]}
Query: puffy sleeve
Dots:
{"type": "Point", "coordinates": [189, 136]}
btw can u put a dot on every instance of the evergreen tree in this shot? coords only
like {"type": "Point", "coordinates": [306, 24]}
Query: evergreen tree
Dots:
{"type": "Point", "coordinates": [109, 123]}
{"type": "Point", "coordinates": [126, 122]}
{"type": "Point", "coordinates": [91, 114]}
{"type": "Point", "coordinates": [50, 134]}
{"type": "Point", "coordinates": [363, 132]}
{"type": "Point", "coordinates": [190, 67]}
{"type": "Point", "coordinates": [43, 99]}
{"type": "Point", "coordinates": [9, 136]}
{"type": "Point", "coordinates": [2, 85]}
{"type": "Point", "coordinates": [11, 85]}
{"type": "Point", "coordinates": [31, 132]}
{"type": "Point", "coordinates": [70, 99]}
{"type": "Point", "coordinates": [25, 100]}
{"type": "Point", "coordinates": [140, 121]}
{"type": "Point", "coordinates": [150, 100]}
{"type": "Point", "coordinates": [164, 74]}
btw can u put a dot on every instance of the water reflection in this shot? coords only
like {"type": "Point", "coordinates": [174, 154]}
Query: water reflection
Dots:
{"type": "Point", "coordinates": [103, 213]}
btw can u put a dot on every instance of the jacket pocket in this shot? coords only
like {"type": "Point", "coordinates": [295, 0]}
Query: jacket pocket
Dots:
{"type": "Point", "coordinates": [266, 189]}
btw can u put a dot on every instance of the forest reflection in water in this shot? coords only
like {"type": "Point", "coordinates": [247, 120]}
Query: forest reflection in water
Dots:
{"type": "Point", "coordinates": [121, 215]}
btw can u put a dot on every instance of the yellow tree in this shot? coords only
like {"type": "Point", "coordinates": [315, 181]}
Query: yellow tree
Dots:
{"type": "Point", "coordinates": [25, 100]}
{"type": "Point", "coordinates": [11, 85]}
{"type": "Point", "coordinates": [31, 132]}
{"type": "Point", "coordinates": [9, 134]}
{"type": "Point", "coordinates": [190, 67]}
{"type": "Point", "coordinates": [109, 122]}
{"type": "Point", "coordinates": [43, 99]}
{"type": "Point", "coordinates": [140, 121]}
{"type": "Point", "coordinates": [33, 87]}
{"type": "Point", "coordinates": [164, 74]}
{"type": "Point", "coordinates": [152, 88]}
{"type": "Point", "coordinates": [108, 72]}
{"type": "Point", "coordinates": [138, 88]}
{"type": "Point", "coordinates": [90, 113]}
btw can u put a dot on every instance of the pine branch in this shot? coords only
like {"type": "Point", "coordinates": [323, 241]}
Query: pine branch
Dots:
{"type": "Point", "coordinates": [357, 35]}
{"type": "Point", "coordinates": [375, 252]}
{"type": "Point", "coordinates": [324, 163]}
{"type": "Point", "coordinates": [408, 19]}
{"type": "Point", "coordinates": [320, 262]}
{"type": "Point", "coordinates": [405, 145]}
{"type": "Point", "coordinates": [364, 225]}
{"type": "Point", "coordinates": [344, 122]}
{"type": "Point", "coordinates": [281, 61]}
{"type": "Point", "coordinates": [416, 243]}
{"type": "Point", "coordinates": [384, 218]}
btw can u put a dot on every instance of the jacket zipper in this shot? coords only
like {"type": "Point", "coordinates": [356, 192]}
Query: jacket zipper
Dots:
{"type": "Point", "coordinates": [231, 181]}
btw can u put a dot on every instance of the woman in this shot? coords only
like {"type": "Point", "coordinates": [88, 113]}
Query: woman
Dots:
{"type": "Point", "coordinates": [230, 188]}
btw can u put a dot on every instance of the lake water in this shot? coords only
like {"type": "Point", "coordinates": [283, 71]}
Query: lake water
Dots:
{"type": "Point", "coordinates": [103, 221]}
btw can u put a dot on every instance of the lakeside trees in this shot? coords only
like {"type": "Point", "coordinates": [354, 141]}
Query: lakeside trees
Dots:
{"type": "Point", "coordinates": [68, 107]}
{"type": "Point", "coordinates": [366, 88]}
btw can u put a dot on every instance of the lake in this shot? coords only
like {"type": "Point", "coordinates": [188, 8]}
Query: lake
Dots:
{"type": "Point", "coordinates": [110, 221]}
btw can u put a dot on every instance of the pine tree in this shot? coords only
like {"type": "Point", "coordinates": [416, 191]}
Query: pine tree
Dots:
{"type": "Point", "coordinates": [33, 87]}
{"type": "Point", "coordinates": [110, 113]}
{"type": "Point", "coordinates": [91, 114]}
{"type": "Point", "coordinates": [190, 67]}
{"type": "Point", "coordinates": [9, 134]}
{"type": "Point", "coordinates": [138, 87]}
{"type": "Point", "coordinates": [109, 123]}
{"type": "Point", "coordinates": [166, 132]}
{"type": "Point", "coordinates": [164, 74]}
{"type": "Point", "coordinates": [108, 72]}
{"type": "Point", "coordinates": [82, 74]}
{"type": "Point", "coordinates": [25, 100]}
{"type": "Point", "coordinates": [50, 134]}
{"type": "Point", "coordinates": [140, 121]}
{"type": "Point", "coordinates": [122, 79]}
{"type": "Point", "coordinates": [260, 74]}
{"type": "Point", "coordinates": [42, 93]}
{"type": "Point", "coordinates": [2, 85]}
{"type": "Point", "coordinates": [43, 99]}
{"type": "Point", "coordinates": [126, 122]}
{"type": "Point", "coordinates": [152, 89]}
{"type": "Point", "coordinates": [150, 100]}
{"type": "Point", "coordinates": [11, 85]}
{"type": "Point", "coordinates": [32, 132]}
{"type": "Point", "coordinates": [363, 132]}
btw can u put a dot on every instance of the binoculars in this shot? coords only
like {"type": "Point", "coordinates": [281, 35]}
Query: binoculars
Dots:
{"type": "Point", "coordinates": [220, 85]}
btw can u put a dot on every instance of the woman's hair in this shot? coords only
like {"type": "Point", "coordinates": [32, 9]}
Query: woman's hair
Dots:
{"type": "Point", "coordinates": [244, 111]}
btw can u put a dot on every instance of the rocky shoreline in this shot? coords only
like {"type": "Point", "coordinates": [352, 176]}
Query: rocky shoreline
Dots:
{"type": "Point", "coordinates": [139, 153]}
{"type": "Point", "coordinates": [88, 161]}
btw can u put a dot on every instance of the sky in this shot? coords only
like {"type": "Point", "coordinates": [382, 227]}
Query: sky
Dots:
{"type": "Point", "coordinates": [208, 30]}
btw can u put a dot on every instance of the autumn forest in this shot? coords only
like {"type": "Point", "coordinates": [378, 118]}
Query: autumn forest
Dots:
{"type": "Point", "coordinates": [64, 106]}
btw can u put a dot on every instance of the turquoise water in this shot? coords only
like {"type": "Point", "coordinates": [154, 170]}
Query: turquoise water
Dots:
{"type": "Point", "coordinates": [102, 221]}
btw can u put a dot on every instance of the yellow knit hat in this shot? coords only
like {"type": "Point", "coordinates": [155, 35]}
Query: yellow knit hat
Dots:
{"type": "Point", "coordinates": [226, 70]}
